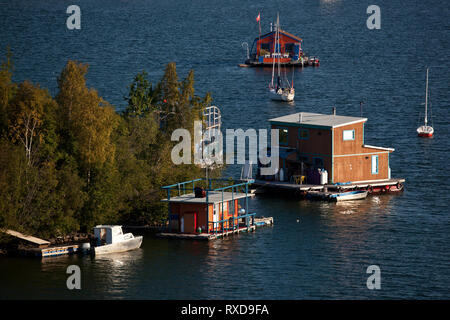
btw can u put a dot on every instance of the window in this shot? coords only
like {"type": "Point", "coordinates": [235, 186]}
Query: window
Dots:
{"type": "Point", "coordinates": [303, 134]}
{"type": "Point", "coordinates": [289, 47]}
{"type": "Point", "coordinates": [265, 48]}
{"type": "Point", "coordinates": [374, 164]}
{"type": "Point", "coordinates": [283, 132]}
{"type": "Point", "coordinates": [348, 135]}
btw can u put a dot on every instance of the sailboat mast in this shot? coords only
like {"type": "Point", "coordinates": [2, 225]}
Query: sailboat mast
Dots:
{"type": "Point", "coordinates": [273, 56]}
{"type": "Point", "coordinates": [278, 42]}
{"type": "Point", "coordinates": [426, 100]}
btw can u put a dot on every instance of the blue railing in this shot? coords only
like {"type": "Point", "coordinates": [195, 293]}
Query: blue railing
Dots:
{"type": "Point", "coordinates": [223, 226]}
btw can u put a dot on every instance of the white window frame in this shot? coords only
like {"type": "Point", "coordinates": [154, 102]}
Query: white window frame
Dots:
{"type": "Point", "coordinates": [345, 136]}
{"type": "Point", "coordinates": [375, 168]}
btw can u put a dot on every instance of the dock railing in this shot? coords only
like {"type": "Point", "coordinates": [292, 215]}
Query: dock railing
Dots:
{"type": "Point", "coordinates": [231, 224]}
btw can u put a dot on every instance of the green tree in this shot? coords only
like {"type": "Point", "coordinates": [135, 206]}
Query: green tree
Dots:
{"type": "Point", "coordinates": [142, 96]}
{"type": "Point", "coordinates": [7, 89]}
{"type": "Point", "coordinates": [25, 114]}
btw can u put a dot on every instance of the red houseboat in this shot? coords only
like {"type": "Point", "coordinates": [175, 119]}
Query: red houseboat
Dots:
{"type": "Point", "coordinates": [262, 52]}
{"type": "Point", "coordinates": [208, 212]}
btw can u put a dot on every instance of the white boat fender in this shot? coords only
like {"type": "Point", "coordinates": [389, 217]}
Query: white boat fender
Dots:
{"type": "Point", "coordinates": [85, 247]}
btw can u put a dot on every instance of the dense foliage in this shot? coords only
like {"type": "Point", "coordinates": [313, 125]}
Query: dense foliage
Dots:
{"type": "Point", "coordinates": [71, 161]}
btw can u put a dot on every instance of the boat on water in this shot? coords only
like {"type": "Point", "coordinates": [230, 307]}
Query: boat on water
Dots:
{"type": "Point", "coordinates": [283, 90]}
{"type": "Point", "coordinates": [426, 131]}
{"type": "Point", "coordinates": [350, 195]}
{"type": "Point", "coordinates": [111, 239]}
{"type": "Point", "coordinates": [262, 52]}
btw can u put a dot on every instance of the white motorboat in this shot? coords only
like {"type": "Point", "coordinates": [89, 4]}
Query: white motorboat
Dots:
{"type": "Point", "coordinates": [350, 195]}
{"type": "Point", "coordinates": [110, 239]}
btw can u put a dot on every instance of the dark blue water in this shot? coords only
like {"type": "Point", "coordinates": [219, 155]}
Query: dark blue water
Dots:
{"type": "Point", "coordinates": [326, 254]}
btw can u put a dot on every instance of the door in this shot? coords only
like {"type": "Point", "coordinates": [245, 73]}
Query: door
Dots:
{"type": "Point", "coordinates": [190, 222]}
{"type": "Point", "coordinates": [215, 216]}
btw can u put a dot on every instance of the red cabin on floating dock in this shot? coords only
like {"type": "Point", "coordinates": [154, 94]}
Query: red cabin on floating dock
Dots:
{"type": "Point", "coordinates": [196, 210]}
{"type": "Point", "coordinates": [290, 48]}
{"type": "Point", "coordinates": [264, 50]}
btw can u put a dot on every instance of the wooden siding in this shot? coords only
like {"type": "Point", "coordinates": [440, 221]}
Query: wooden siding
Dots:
{"type": "Point", "coordinates": [350, 146]}
{"type": "Point", "coordinates": [318, 141]}
{"type": "Point", "coordinates": [344, 160]}
{"type": "Point", "coordinates": [359, 168]}
{"type": "Point", "coordinates": [284, 39]}
{"type": "Point", "coordinates": [181, 208]}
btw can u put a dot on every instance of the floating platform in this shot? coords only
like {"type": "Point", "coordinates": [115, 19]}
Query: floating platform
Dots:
{"type": "Point", "coordinates": [259, 222]}
{"type": "Point", "coordinates": [316, 191]}
{"type": "Point", "coordinates": [291, 63]}
{"type": "Point", "coordinates": [51, 251]}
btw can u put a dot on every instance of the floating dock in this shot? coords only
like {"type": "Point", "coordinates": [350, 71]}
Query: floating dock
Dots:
{"type": "Point", "coordinates": [53, 251]}
{"type": "Point", "coordinates": [259, 222]}
{"type": "Point", "coordinates": [42, 248]}
{"type": "Point", "coordinates": [315, 191]}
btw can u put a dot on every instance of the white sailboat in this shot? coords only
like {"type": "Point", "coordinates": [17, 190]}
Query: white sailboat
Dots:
{"type": "Point", "coordinates": [426, 131]}
{"type": "Point", "coordinates": [280, 91]}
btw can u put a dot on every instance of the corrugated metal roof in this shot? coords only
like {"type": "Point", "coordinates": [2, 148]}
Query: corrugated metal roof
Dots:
{"type": "Point", "coordinates": [317, 119]}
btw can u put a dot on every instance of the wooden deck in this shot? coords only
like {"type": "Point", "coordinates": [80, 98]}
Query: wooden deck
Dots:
{"type": "Point", "coordinates": [304, 189]}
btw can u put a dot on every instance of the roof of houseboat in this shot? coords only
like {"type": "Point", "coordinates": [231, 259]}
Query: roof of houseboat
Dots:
{"type": "Point", "coordinates": [317, 120]}
{"type": "Point", "coordinates": [213, 197]}
{"type": "Point", "coordinates": [290, 35]}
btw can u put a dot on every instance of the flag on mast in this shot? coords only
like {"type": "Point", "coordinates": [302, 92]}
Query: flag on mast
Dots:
{"type": "Point", "coordinates": [258, 19]}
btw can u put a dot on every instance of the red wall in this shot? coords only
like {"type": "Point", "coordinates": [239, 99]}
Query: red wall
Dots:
{"type": "Point", "coordinates": [270, 40]}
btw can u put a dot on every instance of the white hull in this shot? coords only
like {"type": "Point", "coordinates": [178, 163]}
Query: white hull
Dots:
{"type": "Point", "coordinates": [425, 130]}
{"type": "Point", "coordinates": [121, 246]}
{"type": "Point", "coordinates": [345, 196]}
{"type": "Point", "coordinates": [285, 96]}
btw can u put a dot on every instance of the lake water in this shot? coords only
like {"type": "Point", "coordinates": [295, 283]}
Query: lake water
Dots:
{"type": "Point", "coordinates": [326, 253]}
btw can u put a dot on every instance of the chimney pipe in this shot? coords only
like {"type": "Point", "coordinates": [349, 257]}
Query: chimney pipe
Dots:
{"type": "Point", "coordinates": [334, 111]}
{"type": "Point", "coordinates": [300, 117]}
